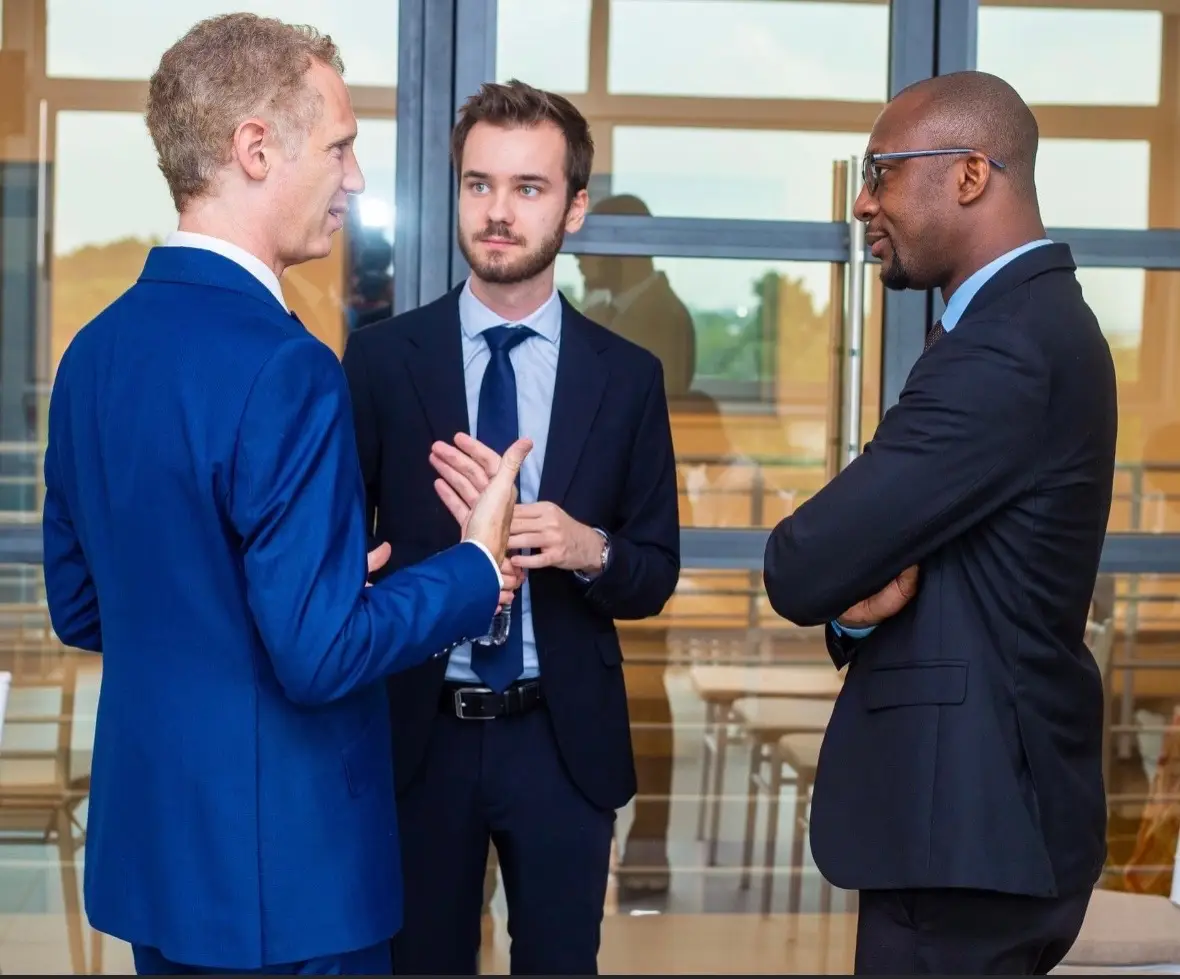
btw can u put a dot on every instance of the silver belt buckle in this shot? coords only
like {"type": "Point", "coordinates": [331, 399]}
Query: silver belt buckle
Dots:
{"type": "Point", "coordinates": [459, 703]}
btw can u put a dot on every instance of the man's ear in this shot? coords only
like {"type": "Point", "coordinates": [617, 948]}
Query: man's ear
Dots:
{"type": "Point", "coordinates": [973, 173]}
{"type": "Point", "coordinates": [575, 215]}
{"type": "Point", "coordinates": [250, 148]}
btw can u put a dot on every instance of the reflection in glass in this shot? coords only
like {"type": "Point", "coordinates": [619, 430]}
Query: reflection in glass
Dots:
{"type": "Point", "coordinates": [752, 424]}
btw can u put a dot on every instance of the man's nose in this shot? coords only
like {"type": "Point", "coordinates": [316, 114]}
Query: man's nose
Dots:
{"type": "Point", "coordinates": [354, 179]}
{"type": "Point", "coordinates": [865, 205]}
{"type": "Point", "coordinates": [500, 208]}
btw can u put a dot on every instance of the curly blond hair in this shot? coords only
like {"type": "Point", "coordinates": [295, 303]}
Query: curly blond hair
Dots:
{"type": "Point", "coordinates": [224, 70]}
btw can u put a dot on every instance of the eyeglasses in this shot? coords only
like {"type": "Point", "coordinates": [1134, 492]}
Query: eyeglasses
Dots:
{"type": "Point", "coordinates": [871, 173]}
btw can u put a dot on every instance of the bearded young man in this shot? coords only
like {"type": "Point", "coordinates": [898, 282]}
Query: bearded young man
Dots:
{"type": "Point", "coordinates": [526, 743]}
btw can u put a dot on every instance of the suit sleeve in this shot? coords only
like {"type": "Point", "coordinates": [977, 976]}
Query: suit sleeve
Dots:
{"type": "Point", "coordinates": [645, 545]}
{"type": "Point", "coordinates": [298, 504]}
{"type": "Point", "coordinates": [961, 442]}
{"type": "Point", "coordinates": [368, 434]}
{"type": "Point", "coordinates": [69, 585]}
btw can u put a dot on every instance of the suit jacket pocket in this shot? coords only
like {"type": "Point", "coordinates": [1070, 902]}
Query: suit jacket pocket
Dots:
{"type": "Point", "coordinates": [915, 684]}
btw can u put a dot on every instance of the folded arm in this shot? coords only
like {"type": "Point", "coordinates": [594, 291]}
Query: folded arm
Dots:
{"type": "Point", "coordinates": [961, 441]}
{"type": "Point", "coordinates": [299, 505]}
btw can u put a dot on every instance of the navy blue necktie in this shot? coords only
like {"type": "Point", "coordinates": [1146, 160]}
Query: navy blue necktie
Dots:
{"type": "Point", "coordinates": [497, 427]}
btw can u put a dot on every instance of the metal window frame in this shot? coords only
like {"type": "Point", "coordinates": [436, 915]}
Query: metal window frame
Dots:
{"type": "Point", "coordinates": [447, 47]}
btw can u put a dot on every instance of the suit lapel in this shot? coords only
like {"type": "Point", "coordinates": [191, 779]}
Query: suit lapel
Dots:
{"type": "Point", "coordinates": [577, 396]}
{"type": "Point", "coordinates": [436, 370]}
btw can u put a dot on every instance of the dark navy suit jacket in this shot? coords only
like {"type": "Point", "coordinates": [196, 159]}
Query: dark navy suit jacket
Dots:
{"type": "Point", "coordinates": [609, 463]}
{"type": "Point", "coordinates": [965, 747]}
{"type": "Point", "coordinates": [204, 529]}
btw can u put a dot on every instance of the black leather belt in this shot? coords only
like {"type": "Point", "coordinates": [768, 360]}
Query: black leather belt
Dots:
{"type": "Point", "coordinates": [471, 703]}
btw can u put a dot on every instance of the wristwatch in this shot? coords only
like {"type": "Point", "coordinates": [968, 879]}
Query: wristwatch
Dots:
{"type": "Point", "coordinates": [581, 575]}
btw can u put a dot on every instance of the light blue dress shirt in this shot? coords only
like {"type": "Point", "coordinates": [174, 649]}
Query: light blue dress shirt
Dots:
{"type": "Point", "coordinates": [535, 364]}
{"type": "Point", "coordinates": [955, 308]}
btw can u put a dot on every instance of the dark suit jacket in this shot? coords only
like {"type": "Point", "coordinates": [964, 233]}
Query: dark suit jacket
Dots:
{"type": "Point", "coordinates": [609, 464]}
{"type": "Point", "coordinates": [204, 530]}
{"type": "Point", "coordinates": [964, 750]}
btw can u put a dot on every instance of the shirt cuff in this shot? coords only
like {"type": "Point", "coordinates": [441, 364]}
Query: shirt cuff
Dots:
{"type": "Point", "coordinates": [843, 630]}
{"type": "Point", "coordinates": [483, 547]}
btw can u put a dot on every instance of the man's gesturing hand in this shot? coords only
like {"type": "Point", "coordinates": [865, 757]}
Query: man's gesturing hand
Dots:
{"type": "Point", "coordinates": [885, 604]}
{"type": "Point", "coordinates": [490, 518]}
{"type": "Point", "coordinates": [557, 540]}
{"type": "Point", "coordinates": [377, 558]}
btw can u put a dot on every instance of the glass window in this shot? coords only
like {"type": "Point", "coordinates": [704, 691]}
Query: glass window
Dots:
{"type": "Point", "coordinates": [748, 353]}
{"type": "Point", "coordinates": [737, 111]}
{"type": "Point", "coordinates": [112, 205]}
{"type": "Point", "coordinates": [365, 30]}
{"type": "Point", "coordinates": [1070, 195]}
{"type": "Point", "coordinates": [1051, 56]}
{"type": "Point", "coordinates": [545, 44]}
{"type": "Point", "coordinates": [729, 173]}
{"type": "Point", "coordinates": [748, 49]}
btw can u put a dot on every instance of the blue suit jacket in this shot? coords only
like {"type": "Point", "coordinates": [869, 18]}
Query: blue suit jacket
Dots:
{"type": "Point", "coordinates": [204, 529]}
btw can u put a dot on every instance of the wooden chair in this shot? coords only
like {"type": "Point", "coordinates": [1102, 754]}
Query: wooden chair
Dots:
{"type": "Point", "coordinates": [42, 788]}
{"type": "Point", "coordinates": [785, 736]}
{"type": "Point", "coordinates": [720, 687]}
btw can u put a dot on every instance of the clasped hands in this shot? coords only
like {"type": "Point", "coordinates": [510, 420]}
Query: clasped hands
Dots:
{"type": "Point", "coordinates": [541, 535]}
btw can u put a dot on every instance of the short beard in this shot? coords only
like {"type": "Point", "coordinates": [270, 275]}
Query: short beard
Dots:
{"type": "Point", "coordinates": [895, 275]}
{"type": "Point", "coordinates": [499, 270]}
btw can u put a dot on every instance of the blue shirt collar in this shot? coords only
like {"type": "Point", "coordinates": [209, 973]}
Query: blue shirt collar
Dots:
{"type": "Point", "coordinates": [475, 317]}
{"type": "Point", "coordinates": [957, 305]}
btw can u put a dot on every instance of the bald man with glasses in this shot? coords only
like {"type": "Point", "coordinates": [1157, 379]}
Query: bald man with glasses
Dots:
{"type": "Point", "coordinates": [953, 563]}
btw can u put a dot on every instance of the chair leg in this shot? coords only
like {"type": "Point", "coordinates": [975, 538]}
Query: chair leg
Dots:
{"type": "Point", "coordinates": [719, 757]}
{"type": "Point", "coordinates": [69, 887]}
{"type": "Point", "coordinates": [798, 832]}
{"type": "Point", "coordinates": [774, 788]}
{"type": "Point", "coordinates": [95, 952]}
{"type": "Point", "coordinates": [706, 758]}
{"type": "Point", "coordinates": [756, 759]}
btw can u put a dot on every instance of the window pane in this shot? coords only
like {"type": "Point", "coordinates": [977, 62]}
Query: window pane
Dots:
{"type": "Point", "coordinates": [747, 349]}
{"type": "Point", "coordinates": [716, 173]}
{"type": "Point", "coordinates": [1070, 194]}
{"type": "Point", "coordinates": [1136, 310]}
{"type": "Point", "coordinates": [546, 44]}
{"type": "Point", "coordinates": [1073, 57]}
{"type": "Point", "coordinates": [710, 108]}
{"type": "Point", "coordinates": [365, 30]}
{"type": "Point", "coordinates": [749, 49]}
{"type": "Point", "coordinates": [111, 205]}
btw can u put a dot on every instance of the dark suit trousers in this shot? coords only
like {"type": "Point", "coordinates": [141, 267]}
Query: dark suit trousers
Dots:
{"type": "Point", "coordinates": [501, 779]}
{"type": "Point", "coordinates": [964, 932]}
{"type": "Point", "coordinates": [372, 961]}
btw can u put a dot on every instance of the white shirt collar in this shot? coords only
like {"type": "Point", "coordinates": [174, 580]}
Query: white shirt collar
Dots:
{"type": "Point", "coordinates": [475, 317]}
{"type": "Point", "coordinates": [251, 263]}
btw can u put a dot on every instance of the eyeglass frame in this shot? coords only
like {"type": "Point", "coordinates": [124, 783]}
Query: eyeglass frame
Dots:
{"type": "Point", "coordinates": [872, 158]}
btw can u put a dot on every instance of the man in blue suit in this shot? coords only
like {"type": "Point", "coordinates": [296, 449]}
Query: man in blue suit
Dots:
{"type": "Point", "coordinates": [204, 529]}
